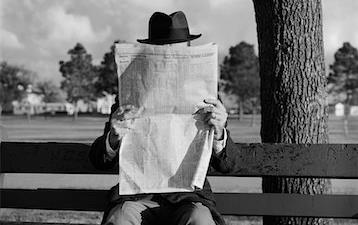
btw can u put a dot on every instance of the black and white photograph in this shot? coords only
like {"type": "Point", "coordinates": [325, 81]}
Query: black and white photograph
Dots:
{"type": "Point", "coordinates": [164, 112]}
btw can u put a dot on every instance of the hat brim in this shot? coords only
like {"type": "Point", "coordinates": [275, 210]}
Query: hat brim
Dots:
{"type": "Point", "coordinates": [168, 41]}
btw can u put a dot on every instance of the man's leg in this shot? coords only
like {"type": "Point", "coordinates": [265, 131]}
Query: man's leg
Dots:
{"type": "Point", "coordinates": [141, 212]}
{"type": "Point", "coordinates": [193, 214]}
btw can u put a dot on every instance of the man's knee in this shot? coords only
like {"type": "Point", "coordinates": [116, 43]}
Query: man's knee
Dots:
{"type": "Point", "coordinates": [196, 214]}
{"type": "Point", "coordinates": [128, 213]}
{"type": "Point", "coordinates": [201, 215]}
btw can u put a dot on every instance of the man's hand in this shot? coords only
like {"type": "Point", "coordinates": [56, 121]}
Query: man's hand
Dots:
{"type": "Point", "coordinates": [216, 116]}
{"type": "Point", "coordinates": [121, 122]}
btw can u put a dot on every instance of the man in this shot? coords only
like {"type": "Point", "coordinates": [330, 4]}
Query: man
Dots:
{"type": "Point", "coordinates": [196, 208]}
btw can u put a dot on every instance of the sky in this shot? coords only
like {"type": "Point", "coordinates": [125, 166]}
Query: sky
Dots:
{"type": "Point", "coordinates": [38, 33]}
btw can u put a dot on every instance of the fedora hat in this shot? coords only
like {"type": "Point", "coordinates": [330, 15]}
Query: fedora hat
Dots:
{"type": "Point", "coordinates": [168, 29]}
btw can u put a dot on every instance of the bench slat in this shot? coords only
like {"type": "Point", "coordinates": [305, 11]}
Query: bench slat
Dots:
{"type": "Point", "coordinates": [40, 223]}
{"type": "Point", "coordinates": [320, 160]}
{"type": "Point", "coordinates": [253, 204]}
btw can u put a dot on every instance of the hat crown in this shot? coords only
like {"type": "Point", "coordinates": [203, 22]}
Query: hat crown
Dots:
{"type": "Point", "coordinates": [166, 29]}
{"type": "Point", "coordinates": [179, 20]}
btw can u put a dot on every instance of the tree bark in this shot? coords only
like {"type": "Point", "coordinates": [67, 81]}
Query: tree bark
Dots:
{"type": "Point", "coordinates": [75, 112]}
{"type": "Point", "coordinates": [347, 105]}
{"type": "Point", "coordinates": [241, 108]}
{"type": "Point", "coordinates": [293, 82]}
{"type": "Point", "coordinates": [253, 115]}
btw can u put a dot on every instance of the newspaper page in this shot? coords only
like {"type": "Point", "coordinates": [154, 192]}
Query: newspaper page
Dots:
{"type": "Point", "coordinates": [167, 148]}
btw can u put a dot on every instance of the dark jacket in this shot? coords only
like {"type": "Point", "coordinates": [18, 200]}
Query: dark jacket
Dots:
{"type": "Point", "coordinates": [222, 163]}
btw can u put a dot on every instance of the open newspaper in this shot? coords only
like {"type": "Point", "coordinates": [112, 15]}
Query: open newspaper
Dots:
{"type": "Point", "coordinates": [167, 147]}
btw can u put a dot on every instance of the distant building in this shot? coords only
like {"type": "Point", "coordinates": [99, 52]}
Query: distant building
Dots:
{"type": "Point", "coordinates": [353, 110]}
{"type": "Point", "coordinates": [230, 102]}
{"type": "Point", "coordinates": [339, 109]}
{"type": "Point", "coordinates": [33, 103]}
{"type": "Point", "coordinates": [104, 104]}
{"type": "Point", "coordinates": [56, 107]}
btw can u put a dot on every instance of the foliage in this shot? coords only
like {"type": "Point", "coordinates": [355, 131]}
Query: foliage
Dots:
{"type": "Point", "coordinates": [79, 75]}
{"type": "Point", "coordinates": [107, 73]}
{"type": "Point", "coordinates": [50, 91]}
{"type": "Point", "coordinates": [240, 74]}
{"type": "Point", "coordinates": [343, 78]}
{"type": "Point", "coordinates": [13, 83]}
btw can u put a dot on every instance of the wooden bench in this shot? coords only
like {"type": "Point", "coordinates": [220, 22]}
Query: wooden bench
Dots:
{"type": "Point", "coordinates": [59, 176]}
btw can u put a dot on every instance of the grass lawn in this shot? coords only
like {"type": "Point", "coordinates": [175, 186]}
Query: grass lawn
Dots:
{"type": "Point", "coordinates": [86, 129]}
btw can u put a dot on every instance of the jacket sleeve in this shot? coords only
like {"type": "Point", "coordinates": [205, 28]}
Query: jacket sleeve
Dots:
{"type": "Point", "coordinates": [98, 147]}
{"type": "Point", "coordinates": [224, 162]}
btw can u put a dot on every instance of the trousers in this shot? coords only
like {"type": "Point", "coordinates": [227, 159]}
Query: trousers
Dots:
{"type": "Point", "coordinates": [149, 212]}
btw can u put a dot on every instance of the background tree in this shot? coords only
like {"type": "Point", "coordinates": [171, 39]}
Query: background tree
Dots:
{"type": "Point", "coordinates": [79, 76]}
{"type": "Point", "coordinates": [50, 91]}
{"type": "Point", "coordinates": [343, 78]}
{"type": "Point", "coordinates": [13, 83]}
{"type": "Point", "coordinates": [240, 73]}
{"type": "Point", "coordinates": [293, 82]}
{"type": "Point", "coordinates": [107, 73]}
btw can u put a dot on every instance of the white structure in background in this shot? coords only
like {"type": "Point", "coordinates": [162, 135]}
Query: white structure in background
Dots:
{"type": "Point", "coordinates": [83, 106]}
{"type": "Point", "coordinates": [32, 103]}
{"type": "Point", "coordinates": [230, 102]}
{"type": "Point", "coordinates": [104, 104]}
{"type": "Point", "coordinates": [33, 98]}
{"type": "Point", "coordinates": [19, 108]}
{"type": "Point", "coordinates": [339, 109]}
{"type": "Point", "coordinates": [54, 107]}
{"type": "Point", "coordinates": [353, 110]}
{"type": "Point", "coordinates": [70, 109]}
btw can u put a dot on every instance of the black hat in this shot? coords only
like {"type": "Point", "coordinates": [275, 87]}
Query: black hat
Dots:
{"type": "Point", "coordinates": [164, 29]}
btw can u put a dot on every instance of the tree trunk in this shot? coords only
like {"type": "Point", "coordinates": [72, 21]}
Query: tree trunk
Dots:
{"type": "Point", "coordinates": [345, 126]}
{"type": "Point", "coordinates": [253, 114]}
{"type": "Point", "coordinates": [345, 118]}
{"type": "Point", "coordinates": [293, 81]}
{"type": "Point", "coordinates": [28, 113]}
{"type": "Point", "coordinates": [75, 115]}
{"type": "Point", "coordinates": [75, 112]}
{"type": "Point", "coordinates": [241, 112]}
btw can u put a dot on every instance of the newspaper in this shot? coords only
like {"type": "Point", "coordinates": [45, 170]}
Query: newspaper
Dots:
{"type": "Point", "coordinates": [167, 148]}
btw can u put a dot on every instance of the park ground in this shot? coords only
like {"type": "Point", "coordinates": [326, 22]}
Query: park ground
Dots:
{"type": "Point", "coordinates": [86, 128]}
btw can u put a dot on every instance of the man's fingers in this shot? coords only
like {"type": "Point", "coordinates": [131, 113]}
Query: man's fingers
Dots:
{"type": "Point", "coordinates": [214, 122]}
{"type": "Point", "coordinates": [127, 116]}
{"type": "Point", "coordinates": [210, 109]}
{"type": "Point", "coordinates": [215, 102]}
{"type": "Point", "coordinates": [218, 111]}
{"type": "Point", "coordinates": [127, 112]}
{"type": "Point", "coordinates": [211, 101]}
{"type": "Point", "coordinates": [199, 111]}
{"type": "Point", "coordinates": [214, 116]}
{"type": "Point", "coordinates": [130, 115]}
{"type": "Point", "coordinates": [217, 114]}
{"type": "Point", "coordinates": [127, 107]}
{"type": "Point", "coordinates": [124, 118]}
{"type": "Point", "coordinates": [130, 106]}
{"type": "Point", "coordinates": [120, 125]}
